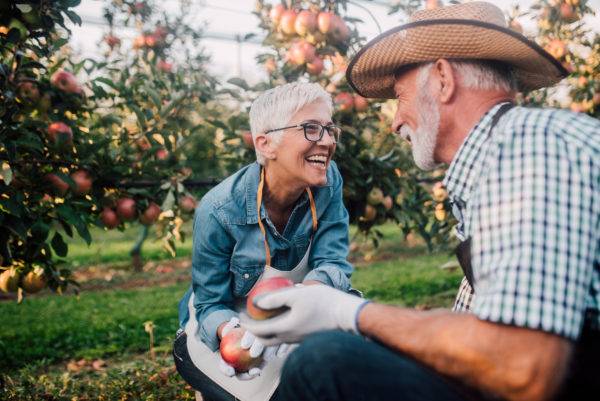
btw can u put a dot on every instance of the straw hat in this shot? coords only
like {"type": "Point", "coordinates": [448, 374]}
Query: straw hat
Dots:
{"type": "Point", "coordinates": [474, 30]}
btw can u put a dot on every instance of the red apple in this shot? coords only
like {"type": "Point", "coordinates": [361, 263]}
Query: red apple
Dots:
{"type": "Point", "coordinates": [306, 22]}
{"type": "Point", "coordinates": [126, 209]}
{"type": "Point", "coordinates": [315, 67]}
{"type": "Point", "coordinates": [60, 133]}
{"type": "Point", "coordinates": [568, 14]}
{"type": "Point", "coordinates": [109, 218]}
{"type": "Point", "coordinates": [33, 282]}
{"type": "Point", "coordinates": [162, 154]}
{"type": "Point", "coordinates": [58, 184]}
{"type": "Point", "coordinates": [64, 81]}
{"type": "Point", "coordinates": [375, 196]}
{"type": "Point", "coordinates": [345, 101]}
{"type": "Point", "coordinates": [388, 202]}
{"type": "Point", "coordinates": [83, 183]}
{"type": "Point", "coordinates": [360, 103]}
{"type": "Point", "coordinates": [340, 31]}
{"type": "Point", "coordinates": [429, 4]}
{"type": "Point", "coordinates": [187, 204]}
{"type": "Point", "coordinates": [267, 285]}
{"type": "Point", "coordinates": [354, 247]}
{"type": "Point", "coordinates": [269, 65]}
{"type": "Point", "coordinates": [324, 22]}
{"type": "Point", "coordinates": [112, 41]}
{"type": "Point", "coordinates": [9, 280]}
{"type": "Point", "coordinates": [370, 212]}
{"type": "Point", "coordinates": [28, 91]}
{"type": "Point", "coordinates": [302, 52]}
{"type": "Point", "coordinates": [515, 26]}
{"type": "Point", "coordinates": [233, 353]}
{"type": "Point", "coordinates": [557, 48]}
{"type": "Point", "coordinates": [150, 214]}
{"type": "Point", "coordinates": [165, 66]}
{"type": "Point", "coordinates": [288, 21]}
{"type": "Point", "coordinates": [276, 12]}
{"type": "Point", "coordinates": [248, 141]}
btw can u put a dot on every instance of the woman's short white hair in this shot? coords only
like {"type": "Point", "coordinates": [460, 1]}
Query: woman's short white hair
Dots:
{"type": "Point", "coordinates": [275, 108]}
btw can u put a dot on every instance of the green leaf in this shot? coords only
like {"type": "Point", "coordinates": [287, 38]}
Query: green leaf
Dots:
{"type": "Point", "coordinates": [76, 19]}
{"type": "Point", "coordinates": [218, 124]}
{"type": "Point", "coordinates": [84, 232]}
{"type": "Point", "coordinates": [169, 202]}
{"type": "Point", "coordinates": [141, 118]}
{"type": "Point", "coordinates": [239, 82]}
{"type": "Point", "coordinates": [6, 172]}
{"type": "Point", "coordinates": [16, 225]}
{"type": "Point", "coordinates": [39, 231]}
{"type": "Point", "coordinates": [106, 81]}
{"type": "Point", "coordinates": [153, 95]}
{"type": "Point", "coordinates": [11, 205]}
{"type": "Point", "coordinates": [59, 245]}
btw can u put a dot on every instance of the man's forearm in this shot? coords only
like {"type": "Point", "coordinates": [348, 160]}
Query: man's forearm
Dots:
{"type": "Point", "coordinates": [511, 362]}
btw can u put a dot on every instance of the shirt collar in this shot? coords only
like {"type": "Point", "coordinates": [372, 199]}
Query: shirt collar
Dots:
{"type": "Point", "coordinates": [463, 168]}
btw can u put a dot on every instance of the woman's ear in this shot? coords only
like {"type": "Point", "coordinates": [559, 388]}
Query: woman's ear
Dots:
{"type": "Point", "coordinates": [265, 146]}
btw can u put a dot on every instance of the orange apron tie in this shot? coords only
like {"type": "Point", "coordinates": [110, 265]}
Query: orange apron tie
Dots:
{"type": "Point", "coordinates": [313, 209]}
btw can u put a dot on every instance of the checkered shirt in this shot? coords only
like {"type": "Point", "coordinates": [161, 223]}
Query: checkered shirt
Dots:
{"type": "Point", "coordinates": [528, 196]}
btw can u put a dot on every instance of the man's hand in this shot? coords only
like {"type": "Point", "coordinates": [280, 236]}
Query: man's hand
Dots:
{"type": "Point", "coordinates": [251, 342]}
{"type": "Point", "coordinates": [311, 309]}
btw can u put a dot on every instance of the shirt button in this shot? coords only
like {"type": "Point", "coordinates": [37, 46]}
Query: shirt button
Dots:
{"type": "Point", "coordinates": [246, 275]}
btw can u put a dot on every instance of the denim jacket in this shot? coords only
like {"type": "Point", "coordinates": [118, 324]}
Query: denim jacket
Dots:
{"type": "Point", "coordinates": [229, 252]}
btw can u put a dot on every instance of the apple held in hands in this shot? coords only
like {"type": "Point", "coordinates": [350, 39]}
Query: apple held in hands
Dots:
{"type": "Point", "coordinates": [234, 354]}
{"type": "Point", "coordinates": [267, 285]}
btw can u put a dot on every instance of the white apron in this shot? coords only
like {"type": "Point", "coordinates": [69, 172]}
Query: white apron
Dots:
{"type": "Point", "coordinates": [262, 387]}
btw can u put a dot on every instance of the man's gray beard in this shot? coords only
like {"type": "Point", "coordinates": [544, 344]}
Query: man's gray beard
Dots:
{"type": "Point", "coordinates": [424, 138]}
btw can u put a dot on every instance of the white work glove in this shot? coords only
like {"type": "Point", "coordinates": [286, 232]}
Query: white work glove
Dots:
{"type": "Point", "coordinates": [251, 342]}
{"type": "Point", "coordinates": [312, 308]}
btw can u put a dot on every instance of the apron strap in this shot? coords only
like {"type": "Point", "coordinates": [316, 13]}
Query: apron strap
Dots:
{"type": "Point", "coordinates": [259, 195]}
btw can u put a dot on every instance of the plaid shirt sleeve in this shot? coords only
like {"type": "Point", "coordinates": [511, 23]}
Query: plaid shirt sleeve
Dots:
{"type": "Point", "coordinates": [534, 221]}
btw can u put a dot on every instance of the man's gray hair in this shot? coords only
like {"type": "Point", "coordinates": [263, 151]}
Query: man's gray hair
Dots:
{"type": "Point", "coordinates": [275, 108]}
{"type": "Point", "coordinates": [481, 74]}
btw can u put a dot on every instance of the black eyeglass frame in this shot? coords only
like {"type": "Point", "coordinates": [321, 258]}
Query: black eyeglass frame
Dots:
{"type": "Point", "coordinates": [303, 125]}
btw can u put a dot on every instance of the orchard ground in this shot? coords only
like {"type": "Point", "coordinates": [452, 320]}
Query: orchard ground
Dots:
{"type": "Point", "coordinates": [113, 340]}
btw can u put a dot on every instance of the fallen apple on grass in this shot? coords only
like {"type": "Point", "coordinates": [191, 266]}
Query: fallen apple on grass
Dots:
{"type": "Point", "coordinates": [267, 285]}
{"type": "Point", "coordinates": [233, 353]}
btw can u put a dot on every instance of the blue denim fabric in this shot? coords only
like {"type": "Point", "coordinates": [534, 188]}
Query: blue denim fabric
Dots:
{"type": "Point", "coordinates": [339, 366]}
{"type": "Point", "coordinates": [229, 252]}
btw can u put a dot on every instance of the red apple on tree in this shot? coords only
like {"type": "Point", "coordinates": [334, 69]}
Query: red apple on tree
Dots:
{"type": "Point", "coordinates": [315, 66]}
{"type": "Point", "coordinates": [34, 281]}
{"type": "Point", "coordinates": [109, 218]}
{"type": "Point", "coordinates": [248, 141]}
{"type": "Point", "coordinates": [276, 12]}
{"type": "Point", "coordinates": [83, 183]}
{"type": "Point", "coordinates": [9, 280]}
{"type": "Point", "coordinates": [150, 214]}
{"type": "Point", "coordinates": [302, 52]}
{"type": "Point", "coordinates": [162, 154]}
{"type": "Point", "coordinates": [325, 22]}
{"type": "Point", "coordinates": [345, 101]}
{"type": "Point", "coordinates": [28, 91]}
{"type": "Point", "coordinates": [60, 133]}
{"type": "Point", "coordinates": [360, 103]}
{"type": "Point", "coordinates": [270, 284]}
{"type": "Point", "coordinates": [288, 21]}
{"type": "Point", "coordinates": [306, 22]}
{"type": "Point", "coordinates": [370, 212]}
{"type": "Point", "coordinates": [375, 196]}
{"type": "Point", "coordinates": [112, 41]}
{"type": "Point", "coordinates": [60, 186]}
{"type": "Point", "coordinates": [233, 353]}
{"type": "Point", "coordinates": [187, 204]}
{"type": "Point", "coordinates": [64, 81]}
{"type": "Point", "coordinates": [126, 209]}
{"type": "Point", "coordinates": [388, 202]}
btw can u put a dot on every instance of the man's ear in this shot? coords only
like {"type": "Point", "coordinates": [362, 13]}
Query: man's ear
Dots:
{"type": "Point", "coordinates": [444, 80]}
{"type": "Point", "coordinates": [265, 146]}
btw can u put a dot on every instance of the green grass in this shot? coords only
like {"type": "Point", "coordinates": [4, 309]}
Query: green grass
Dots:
{"type": "Point", "coordinates": [113, 246]}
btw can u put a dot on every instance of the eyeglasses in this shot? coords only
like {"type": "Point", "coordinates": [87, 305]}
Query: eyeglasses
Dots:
{"type": "Point", "coordinates": [313, 132]}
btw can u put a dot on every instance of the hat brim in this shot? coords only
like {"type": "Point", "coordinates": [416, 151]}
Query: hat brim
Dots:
{"type": "Point", "coordinates": [371, 71]}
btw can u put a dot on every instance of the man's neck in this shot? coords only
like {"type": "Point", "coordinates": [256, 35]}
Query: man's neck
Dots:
{"type": "Point", "coordinates": [458, 119]}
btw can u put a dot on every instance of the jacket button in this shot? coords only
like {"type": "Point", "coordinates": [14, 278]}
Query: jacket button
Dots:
{"type": "Point", "coordinates": [246, 275]}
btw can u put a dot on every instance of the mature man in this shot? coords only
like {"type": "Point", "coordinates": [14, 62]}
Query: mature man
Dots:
{"type": "Point", "coordinates": [525, 185]}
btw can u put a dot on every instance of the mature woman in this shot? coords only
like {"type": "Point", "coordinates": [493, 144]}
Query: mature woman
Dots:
{"type": "Point", "coordinates": [280, 216]}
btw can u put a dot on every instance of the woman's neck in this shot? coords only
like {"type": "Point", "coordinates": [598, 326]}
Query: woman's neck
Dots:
{"type": "Point", "coordinates": [279, 199]}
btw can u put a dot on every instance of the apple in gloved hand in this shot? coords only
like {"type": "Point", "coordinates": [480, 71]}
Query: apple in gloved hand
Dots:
{"type": "Point", "coordinates": [234, 354]}
{"type": "Point", "coordinates": [267, 285]}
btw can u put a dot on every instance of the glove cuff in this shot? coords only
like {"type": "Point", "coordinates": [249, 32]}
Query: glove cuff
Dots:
{"type": "Point", "coordinates": [349, 321]}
